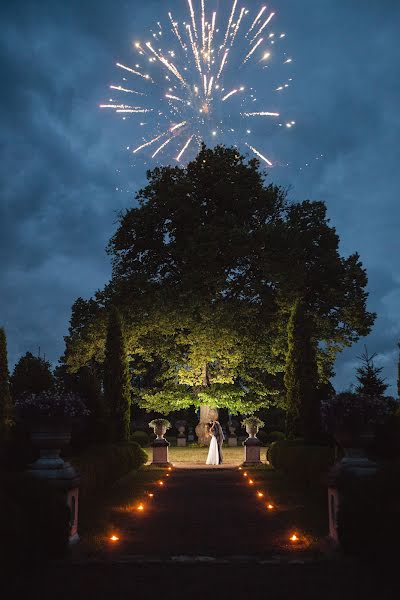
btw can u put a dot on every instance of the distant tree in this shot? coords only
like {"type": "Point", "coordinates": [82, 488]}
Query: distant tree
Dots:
{"type": "Point", "coordinates": [398, 373]}
{"type": "Point", "coordinates": [6, 404]}
{"type": "Point", "coordinates": [31, 375]}
{"type": "Point", "coordinates": [301, 377]}
{"type": "Point", "coordinates": [87, 384]}
{"type": "Point", "coordinates": [117, 380]}
{"type": "Point", "coordinates": [370, 383]}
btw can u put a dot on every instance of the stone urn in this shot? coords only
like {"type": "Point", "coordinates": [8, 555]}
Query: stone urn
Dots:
{"type": "Point", "coordinates": [252, 445]}
{"type": "Point", "coordinates": [51, 435]}
{"type": "Point", "coordinates": [160, 444]}
{"type": "Point", "coordinates": [252, 430]}
{"type": "Point", "coordinates": [160, 429]}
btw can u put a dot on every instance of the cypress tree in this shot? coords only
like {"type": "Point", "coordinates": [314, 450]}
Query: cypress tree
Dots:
{"type": "Point", "coordinates": [117, 381]}
{"type": "Point", "coordinates": [301, 377]}
{"type": "Point", "coordinates": [6, 405]}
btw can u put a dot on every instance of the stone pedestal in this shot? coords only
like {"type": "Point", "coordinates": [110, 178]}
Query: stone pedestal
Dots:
{"type": "Point", "coordinates": [160, 453]}
{"type": "Point", "coordinates": [232, 442]}
{"type": "Point", "coordinates": [61, 475]}
{"type": "Point", "coordinates": [252, 448]}
{"type": "Point", "coordinates": [181, 442]}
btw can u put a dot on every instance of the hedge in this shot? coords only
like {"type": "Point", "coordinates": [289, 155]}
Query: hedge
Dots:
{"type": "Point", "coordinates": [141, 437]}
{"type": "Point", "coordinates": [34, 521]}
{"type": "Point", "coordinates": [369, 514]}
{"type": "Point", "coordinates": [300, 461]}
{"type": "Point", "coordinates": [101, 466]}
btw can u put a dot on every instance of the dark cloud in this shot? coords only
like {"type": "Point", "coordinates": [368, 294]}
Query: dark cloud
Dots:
{"type": "Point", "coordinates": [62, 161]}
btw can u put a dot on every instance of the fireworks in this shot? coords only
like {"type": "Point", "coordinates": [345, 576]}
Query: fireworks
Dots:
{"type": "Point", "coordinates": [190, 90]}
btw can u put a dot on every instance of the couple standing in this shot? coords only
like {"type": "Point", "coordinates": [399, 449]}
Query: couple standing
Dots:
{"type": "Point", "coordinates": [217, 439]}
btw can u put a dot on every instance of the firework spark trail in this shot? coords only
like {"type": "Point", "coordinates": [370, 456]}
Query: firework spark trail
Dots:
{"type": "Point", "coordinates": [178, 126]}
{"type": "Point", "coordinates": [185, 147]}
{"type": "Point", "coordinates": [194, 49]}
{"type": "Point", "coordinates": [261, 114]}
{"type": "Point", "coordinates": [271, 16]}
{"type": "Point", "coordinates": [257, 153]}
{"type": "Point", "coordinates": [258, 17]}
{"type": "Point", "coordinates": [203, 25]}
{"type": "Point", "coordinates": [153, 141]}
{"type": "Point", "coordinates": [134, 110]}
{"type": "Point", "coordinates": [144, 76]}
{"type": "Point", "coordinates": [237, 26]}
{"type": "Point", "coordinates": [171, 97]}
{"type": "Point", "coordinates": [193, 18]}
{"type": "Point", "coordinates": [229, 95]}
{"type": "Point", "coordinates": [176, 31]}
{"type": "Point", "coordinates": [211, 36]}
{"type": "Point", "coordinates": [162, 147]}
{"type": "Point", "coordinates": [254, 48]}
{"type": "Point", "coordinates": [170, 66]}
{"type": "Point", "coordinates": [223, 63]}
{"type": "Point", "coordinates": [210, 86]}
{"type": "Point", "coordinates": [230, 21]}
{"type": "Point", "coordinates": [122, 89]}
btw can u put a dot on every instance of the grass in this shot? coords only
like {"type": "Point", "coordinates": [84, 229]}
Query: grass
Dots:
{"type": "Point", "coordinates": [100, 514]}
{"type": "Point", "coordinates": [197, 455]}
{"type": "Point", "coordinates": [301, 509]}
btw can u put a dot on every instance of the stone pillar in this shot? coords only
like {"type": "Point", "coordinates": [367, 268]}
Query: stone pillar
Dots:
{"type": "Point", "coordinates": [252, 447]}
{"type": "Point", "coordinates": [232, 442]}
{"type": "Point", "coordinates": [207, 414]}
{"type": "Point", "coordinates": [61, 475]}
{"type": "Point", "coordinates": [181, 442]}
{"type": "Point", "coordinates": [160, 453]}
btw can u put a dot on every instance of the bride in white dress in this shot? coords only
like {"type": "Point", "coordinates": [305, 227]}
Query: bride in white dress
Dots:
{"type": "Point", "coordinates": [213, 452]}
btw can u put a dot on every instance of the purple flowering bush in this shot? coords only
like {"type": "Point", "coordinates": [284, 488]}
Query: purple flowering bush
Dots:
{"type": "Point", "coordinates": [352, 412]}
{"type": "Point", "coordinates": [51, 404]}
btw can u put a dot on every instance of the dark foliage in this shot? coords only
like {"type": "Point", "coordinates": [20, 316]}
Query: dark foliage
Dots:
{"type": "Point", "coordinates": [370, 383]}
{"type": "Point", "coordinates": [117, 379]}
{"type": "Point", "coordinates": [141, 437]}
{"type": "Point", "coordinates": [369, 514]}
{"type": "Point", "coordinates": [101, 466]}
{"type": "Point", "coordinates": [31, 375]}
{"type": "Point", "coordinates": [6, 404]}
{"type": "Point", "coordinates": [301, 462]}
{"type": "Point", "coordinates": [34, 522]}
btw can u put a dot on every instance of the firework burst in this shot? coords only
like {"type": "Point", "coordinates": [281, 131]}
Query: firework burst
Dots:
{"type": "Point", "coordinates": [190, 89]}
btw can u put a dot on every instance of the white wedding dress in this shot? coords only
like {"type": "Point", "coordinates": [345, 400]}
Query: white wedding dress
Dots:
{"type": "Point", "coordinates": [213, 454]}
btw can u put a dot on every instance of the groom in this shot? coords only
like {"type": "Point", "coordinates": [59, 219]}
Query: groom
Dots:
{"type": "Point", "coordinates": [219, 435]}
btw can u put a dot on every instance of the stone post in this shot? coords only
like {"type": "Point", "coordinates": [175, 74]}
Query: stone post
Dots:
{"type": "Point", "coordinates": [160, 453]}
{"type": "Point", "coordinates": [252, 447]}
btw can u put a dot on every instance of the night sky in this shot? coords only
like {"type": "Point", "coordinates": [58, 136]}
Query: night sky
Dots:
{"type": "Point", "coordinates": [65, 172]}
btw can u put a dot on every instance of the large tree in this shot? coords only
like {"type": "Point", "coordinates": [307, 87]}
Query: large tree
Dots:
{"type": "Point", "coordinates": [205, 271]}
{"type": "Point", "coordinates": [6, 405]}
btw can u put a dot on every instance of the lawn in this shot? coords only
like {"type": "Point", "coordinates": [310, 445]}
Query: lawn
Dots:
{"type": "Point", "coordinates": [197, 455]}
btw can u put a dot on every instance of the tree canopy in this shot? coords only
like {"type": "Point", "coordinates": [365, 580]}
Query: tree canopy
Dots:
{"type": "Point", "coordinates": [206, 269]}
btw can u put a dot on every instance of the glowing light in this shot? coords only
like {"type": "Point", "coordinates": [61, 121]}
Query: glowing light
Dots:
{"type": "Point", "coordinates": [261, 114]}
{"type": "Point", "coordinates": [150, 495]}
{"type": "Point", "coordinates": [294, 538]}
{"type": "Point", "coordinates": [245, 474]}
{"type": "Point", "coordinates": [169, 468]}
{"type": "Point", "coordinates": [258, 17]}
{"type": "Point", "coordinates": [229, 95]}
{"type": "Point", "coordinates": [140, 507]}
{"type": "Point", "coordinates": [260, 495]}
{"type": "Point", "coordinates": [270, 506]}
{"type": "Point", "coordinates": [251, 482]}
{"type": "Point", "coordinates": [114, 538]}
{"type": "Point", "coordinates": [271, 16]}
{"type": "Point", "coordinates": [119, 88]}
{"type": "Point", "coordinates": [230, 21]}
{"type": "Point", "coordinates": [250, 54]}
{"type": "Point", "coordinates": [161, 483]}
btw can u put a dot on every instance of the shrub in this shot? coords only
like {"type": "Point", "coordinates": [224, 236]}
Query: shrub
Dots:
{"type": "Point", "coordinates": [369, 513]}
{"type": "Point", "coordinates": [141, 437]}
{"type": "Point", "coordinates": [274, 436]}
{"type": "Point", "coordinates": [101, 466]}
{"type": "Point", "coordinates": [34, 521]}
{"type": "Point", "coordinates": [301, 462]}
{"type": "Point", "coordinates": [263, 437]}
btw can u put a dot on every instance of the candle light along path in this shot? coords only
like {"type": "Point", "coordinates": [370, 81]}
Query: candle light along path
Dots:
{"type": "Point", "coordinates": [189, 93]}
